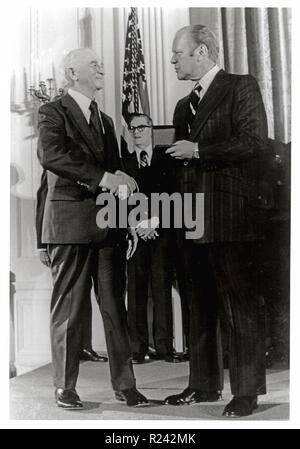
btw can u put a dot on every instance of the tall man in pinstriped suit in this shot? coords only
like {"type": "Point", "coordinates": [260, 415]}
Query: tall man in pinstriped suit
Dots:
{"type": "Point", "coordinates": [221, 132]}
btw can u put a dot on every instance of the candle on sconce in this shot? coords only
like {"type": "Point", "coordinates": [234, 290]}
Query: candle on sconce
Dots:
{"type": "Point", "coordinates": [37, 71]}
{"type": "Point", "coordinates": [25, 87]}
{"type": "Point", "coordinates": [51, 63]}
{"type": "Point", "coordinates": [13, 89]}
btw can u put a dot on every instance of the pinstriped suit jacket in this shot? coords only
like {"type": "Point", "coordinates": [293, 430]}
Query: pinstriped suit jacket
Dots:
{"type": "Point", "coordinates": [230, 127]}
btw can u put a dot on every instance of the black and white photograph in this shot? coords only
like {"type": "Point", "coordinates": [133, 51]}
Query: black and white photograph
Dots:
{"type": "Point", "coordinates": [150, 215]}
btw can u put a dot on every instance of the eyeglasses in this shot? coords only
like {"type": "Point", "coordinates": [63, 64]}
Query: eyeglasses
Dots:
{"type": "Point", "coordinates": [97, 67]}
{"type": "Point", "coordinates": [139, 128]}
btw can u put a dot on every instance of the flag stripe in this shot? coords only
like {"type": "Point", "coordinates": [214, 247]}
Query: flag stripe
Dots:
{"type": "Point", "coordinates": [135, 93]}
{"type": "Point", "coordinates": [134, 89]}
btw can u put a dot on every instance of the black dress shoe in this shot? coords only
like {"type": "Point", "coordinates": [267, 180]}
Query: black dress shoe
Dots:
{"type": "Point", "coordinates": [155, 355]}
{"type": "Point", "coordinates": [173, 358]}
{"type": "Point", "coordinates": [67, 399]}
{"type": "Point", "coordinates": [92, 356]}
{"type": "Point", "coordinates": [138, 358]}
{"type": "Point", "coordinates": [186, 356]}
{"type": "Point", "coordinates": [240, 406]}
{"type": "Point", "coordinates": [119, 396]}
{"type": "Point", "coordinates": [168, 357]}
{"type": "Point", "coordinates": [132, 397]}
{"type": "Point", "coordinates": [190, 396]}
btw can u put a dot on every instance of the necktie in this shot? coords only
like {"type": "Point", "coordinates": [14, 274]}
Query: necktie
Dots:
{"type": "Point", "coordinates": [144, 159]}
{"type": "Point", "coordinates": [95, 123]}
{"type": "Point", "coordinates": [193, 103]}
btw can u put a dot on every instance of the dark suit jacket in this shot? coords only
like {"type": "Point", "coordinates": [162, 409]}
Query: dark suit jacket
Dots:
{"type": "Point", "coordinates": [75, 166]}
{"type": "Point", "coordinates": [230, 127]}
{"type": "Point", "coordinates": [157, 178]}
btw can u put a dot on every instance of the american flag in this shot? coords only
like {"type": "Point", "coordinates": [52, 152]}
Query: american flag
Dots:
{"type": "Point", "coordinates": [134, 91]}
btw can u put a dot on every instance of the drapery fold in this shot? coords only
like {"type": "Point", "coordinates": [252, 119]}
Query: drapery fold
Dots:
{"type": "Point", "coordinates": [105, 30]}
{"type": "Point", "coordinates": [252, 40]}
{"type": "Point", "coordinates": [257, 41]}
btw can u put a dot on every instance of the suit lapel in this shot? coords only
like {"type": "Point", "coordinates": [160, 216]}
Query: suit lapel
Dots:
{"type": "Point", "coordinates": [215, 93]}
{"type": "Point", "coordinates": [76, 116]}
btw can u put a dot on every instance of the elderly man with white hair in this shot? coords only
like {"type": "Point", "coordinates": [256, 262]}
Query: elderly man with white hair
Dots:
{"type": "Point", "coordinates": [78, 148]}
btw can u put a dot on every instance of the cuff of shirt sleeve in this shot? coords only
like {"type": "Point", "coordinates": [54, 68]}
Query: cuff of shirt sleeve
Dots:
{"type": "Point", "coordinates": [196, 154]}
{"type": "Point", "coordinates": [103, 181]}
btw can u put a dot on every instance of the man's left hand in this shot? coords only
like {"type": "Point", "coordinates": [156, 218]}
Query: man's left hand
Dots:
{"type": "Point", "coordinates": [182, 149]}
{"type": "Point", "coordinates": [44, 257]}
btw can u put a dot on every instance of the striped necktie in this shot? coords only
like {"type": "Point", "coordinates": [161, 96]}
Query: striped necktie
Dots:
{"type": "Point", "coordinates": [144, 159]}
{"type": "Point", "coordinates": [193, 104]}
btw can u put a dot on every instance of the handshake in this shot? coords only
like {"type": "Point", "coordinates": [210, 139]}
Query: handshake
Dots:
{"type": "Point", "coordinates": [146, 229]}
{"type": "Point", "coordinates": [119, 184]}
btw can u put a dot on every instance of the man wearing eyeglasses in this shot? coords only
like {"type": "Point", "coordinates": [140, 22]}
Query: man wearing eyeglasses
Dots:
{"type": "Point", "coordinates": [152, 261]}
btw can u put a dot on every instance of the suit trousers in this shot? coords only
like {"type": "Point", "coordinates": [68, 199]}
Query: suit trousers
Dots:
{"type": "Point", "coordinates": [86, 313]}
{"type": "Point", "coordinates": [151, 262]}
{"type": "Point", "coordinates": [73, 267]}
{"type": "Point", "coordinates": [225, 285]}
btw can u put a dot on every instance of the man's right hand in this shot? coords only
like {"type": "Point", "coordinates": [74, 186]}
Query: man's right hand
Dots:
{"type": "Point", "coordinates": [44, 257]}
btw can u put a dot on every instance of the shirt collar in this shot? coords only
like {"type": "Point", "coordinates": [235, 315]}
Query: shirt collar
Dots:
{"type": "Point", "coordinates": [208, 78]}
{"type": "Point", "coordinates": [84, 103]}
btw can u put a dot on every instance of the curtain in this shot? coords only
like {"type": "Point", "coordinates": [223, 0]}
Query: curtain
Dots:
{"type": "Point", "coordinates": [257, 41]}
{"type": "Point", "coordinates": [104, 29]}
